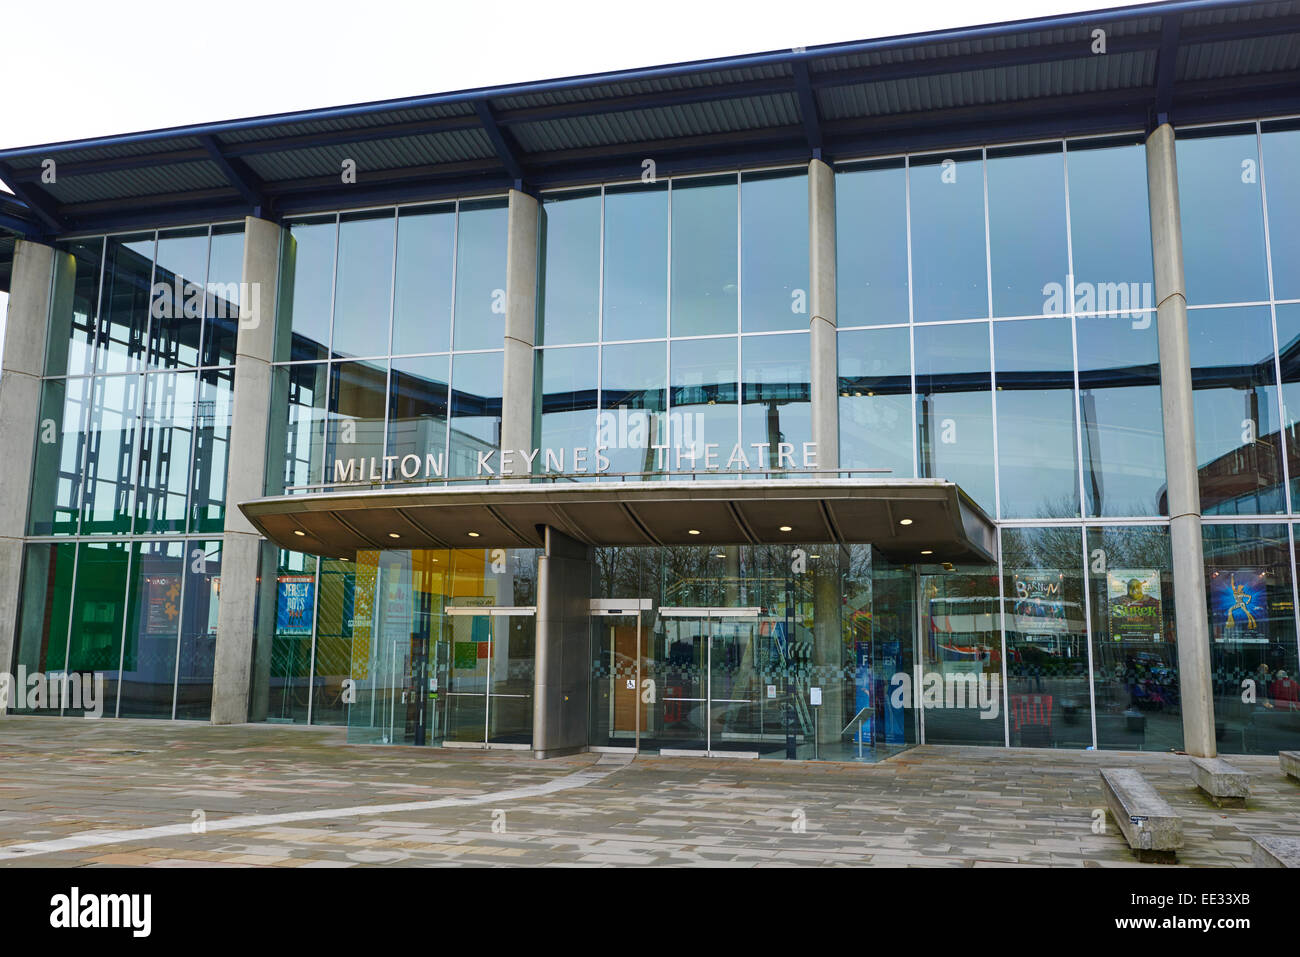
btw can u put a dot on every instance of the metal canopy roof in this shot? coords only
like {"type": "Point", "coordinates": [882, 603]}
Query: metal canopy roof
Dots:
{"type": "Point", "coordinates": [1196, 61]}
{"type": "Point", "coordinates": [942, 518]}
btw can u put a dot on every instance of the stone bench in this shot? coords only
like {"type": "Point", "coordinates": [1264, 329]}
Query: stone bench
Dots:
{"type": "Point", "coordinates": [1290, 761]}
{"type": "Point", "coordinates": [1268, 851]}
{"type": "Point", "coordinates": [1227, 786]}
{"type": "Point", "coordinates": [1148, 823]}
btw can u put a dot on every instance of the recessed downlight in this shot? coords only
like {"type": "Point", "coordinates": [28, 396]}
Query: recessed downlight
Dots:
{"type": "Point", "coordinates": [473, 534]}
{"type": "Point", "coordinates": [904, 521]}
{"type": "Point", "coordinates": [692, 531]}
{"type": "Point", "coordinates": [393, 535]}
{"type": "Point", "coordinates": [299, 532]}
{"type": "Point", "coordinates": [926, 551]}
{"type": "Point", "coordinates": [720, 555]}
{"type": "Point", "coordinates": [786, 528]}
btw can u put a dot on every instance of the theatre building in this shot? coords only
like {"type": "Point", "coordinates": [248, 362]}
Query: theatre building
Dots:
{"type": "Point", "coordinates": [812, 404]}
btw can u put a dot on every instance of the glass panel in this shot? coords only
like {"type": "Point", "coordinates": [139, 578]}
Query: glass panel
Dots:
{"type": "Point", "coordinates": [475, 410]}
{"type": "Point", "coordinates": [1288, 341]}
{"type": "Point", "coordinates": [683, 651]}
{"type": "Point", "coordinates": [212, 419]}
{"type": "Point", "coordinates": [124, 303]}
{"type": "Point", "coordinates": [1134, 639]}
{"type": "Point", "coordinates": [340, 580]}
{"type": "Point", "coordinates": [1123, 426]}
{"type": "Point", "coordinates": [949, 266]}
{"type": "Point", "coordinates": [632, 399]}
{"type": "Point", "coordinates": [567, 417]}
{"type": "Point", "coordinates": [152, 625]}
{"type": "Point", "coordinates": [41, 638]}
{"type": "Point", "coordinates": [1252, 638]}
{"type": "Point", "coordinates": [295, 612]}
{"type": "Point", "coordinates": [1110, 226]}
{"type": "Point", "coordinates": [703, 400]}
{"type": "Point", "coordinates": [636, 262]}
{"type": "Point", "coordinates": [481, 275]}
{"type": "Point", "coordinates": [74, 310]}
{"type": "Point", "coordinates": [1222, 218]}
{"type": "Point", "coordinates": [705, 261]}
{"type": "Point", "coordinates": [774, 251]}
{"type": "Point", "coordinates": [304, 389]}
{"type": "Point", "coordinates": [1235, 409]}
{"type": "Point", "coordinates": [307, 288]}
{"type": "Point", "coordinates": [98, 615]}
{"type": "Point", "coordinates": [1046, 638]}
{"type": "Point", "coordinates": [871, 244]}
{"type": "Point", "coordinates": [775, 414]}
{"type": "Point", "coordinates": [510, 692]}
{"type": "Point", "coordinates": [166, 437]}
{"type": "Point", "coordinates": [426, 237]}
{"type": "Point", "coordinates": [569, 247]}
{"type": "Point", "coordinates": [198, 644]}
{"type": "Point", "coordinates": [109, 477]}
{"type": "Point", "coordinates": [1282, 158]}
{"type": "Point", "coordinates": [736, 701]}
{"type": "Point", "coordinates": [358, 396]}
{"type": "Point", "coordinates": [954, 408]}
{"type": "Point", "coordinates": [60, 447]}
{"type": "Point", "coordinates": [875, 383]}
{"type": "Point", "coordinates": [962, 651]}
{"type": "Point", "coordinates": [1027, 235]}
{"type": "Point", "coordinates": [225, 276]}
{"type": "Point", "coordinates": [417, 415]}
{"type": "Point", "coordinates": [179, 281]}
{"type": "Point", "coordinates": [363, 289]}
{"type": "Point", "coordinates": [1037, 445]}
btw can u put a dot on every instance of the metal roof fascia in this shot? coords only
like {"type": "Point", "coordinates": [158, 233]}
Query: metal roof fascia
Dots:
{"type": "Point", "coordinates": [784, 57]}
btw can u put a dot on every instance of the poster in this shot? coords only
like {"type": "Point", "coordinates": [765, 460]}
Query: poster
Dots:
{"type": "Point", "coordinates": [1133, 604]}
{"type": "Point", "coordinates": [161, 603]}
{"type": "Point", "coordinates": [294, 604]}
{"type": "Point", "coordinates": [1038, 604]}
{"type": "Point", "coordinates": [1240, 607]}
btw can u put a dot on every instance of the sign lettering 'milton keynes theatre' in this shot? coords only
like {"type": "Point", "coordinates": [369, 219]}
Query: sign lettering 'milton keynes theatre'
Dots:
{"type": "Point", "coordinates": [708, 457]}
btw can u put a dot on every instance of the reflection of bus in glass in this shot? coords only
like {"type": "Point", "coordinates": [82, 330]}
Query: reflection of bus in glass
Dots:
{"type": "Point", "coordinates": [963, 635]}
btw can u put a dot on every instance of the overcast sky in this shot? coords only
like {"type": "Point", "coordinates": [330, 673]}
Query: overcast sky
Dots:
{"type": "Point", "coordinates": [89, 68]}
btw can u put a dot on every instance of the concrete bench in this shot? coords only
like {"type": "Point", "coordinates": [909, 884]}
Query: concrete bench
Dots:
{"type": "Point", "coordinates": [1290, 761]}
{"type": "Point", "coordinates": [1227, 786]}
{"type": "Point", "coordinates": [1267, 851]}
{"type": "Point", "coordinates": [1148, 823]}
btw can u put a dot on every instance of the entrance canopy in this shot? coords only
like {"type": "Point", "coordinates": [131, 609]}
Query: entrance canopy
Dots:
{"type": "Point", "coordinates": [926, 520]}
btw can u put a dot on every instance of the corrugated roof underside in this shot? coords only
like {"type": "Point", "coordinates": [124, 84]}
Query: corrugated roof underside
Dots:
{"type": "Point", "coordinates": [146, 181]}
{"type": "Point", "coordinates": [641, 87]}
{"type": "Point", "coordinates": [1113, 72]}
{"type": "Point", "coordinates": [386, 154]}
{"type": "Point", "coordinates": [635, 126]}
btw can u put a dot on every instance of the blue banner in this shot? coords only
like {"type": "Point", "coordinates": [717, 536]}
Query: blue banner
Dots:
{"type": "Point", "coordinates": [294, 603]}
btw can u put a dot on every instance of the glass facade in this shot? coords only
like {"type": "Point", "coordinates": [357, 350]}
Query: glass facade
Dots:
{"type": "Point", "coordinates": [721, 361]}
{"type": "Point", "coordinates": [996, 329]}
{"type": "Point", "coordinates": [130, 466]}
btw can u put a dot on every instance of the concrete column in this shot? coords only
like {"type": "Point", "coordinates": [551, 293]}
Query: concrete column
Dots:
{"type": "Point", "coordinates": [821, 296]}
{"type": "Point", "coordinates": [566, 582]}
{"type": "Point", "coordinates": [242, 555]}
{"type": "Point", "coordinates": [20, 402]}
{"type": "Point", "coordinates": [521, 326]}
{"type": "Point", "coordinates": [1180, 446]}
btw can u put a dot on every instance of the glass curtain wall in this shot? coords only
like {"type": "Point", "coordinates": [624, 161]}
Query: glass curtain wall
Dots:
{"type": "Point", "coordinates": [388, 348]}
{"type": "Point", "coordinates": [130, 467]}
{"type": "Point", "coordinates": [721, 361]}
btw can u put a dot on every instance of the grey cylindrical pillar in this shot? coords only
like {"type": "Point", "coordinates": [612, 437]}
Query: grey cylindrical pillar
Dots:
{"type": "Point", "coordinates": [20, 402]}
{"type": "Point", "coordinates": [1180, 446]}
{"type": "Point", "coordinates": [821, 295]}
{"type": "Point", "coordinates": [242, 550]}
{"type": "Point", "coordinates": [520, 331]}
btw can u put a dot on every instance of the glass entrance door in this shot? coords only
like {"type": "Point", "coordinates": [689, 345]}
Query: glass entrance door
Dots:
{"type": "Point", "coordinates": [489, 697]}
{"type": "Point", "coordinates": [711, 686]}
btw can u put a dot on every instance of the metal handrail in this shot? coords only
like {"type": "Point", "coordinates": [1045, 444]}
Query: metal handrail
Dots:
{"type": "Point", "coordinates": [554, 477]}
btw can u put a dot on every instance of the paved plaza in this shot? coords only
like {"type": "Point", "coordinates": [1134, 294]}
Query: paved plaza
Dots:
{"type": "Point", "coordinates": [82, 793]}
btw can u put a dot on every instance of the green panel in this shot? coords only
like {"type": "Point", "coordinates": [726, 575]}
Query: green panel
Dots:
{"type": "Point", "coordinates": [98, 610]}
